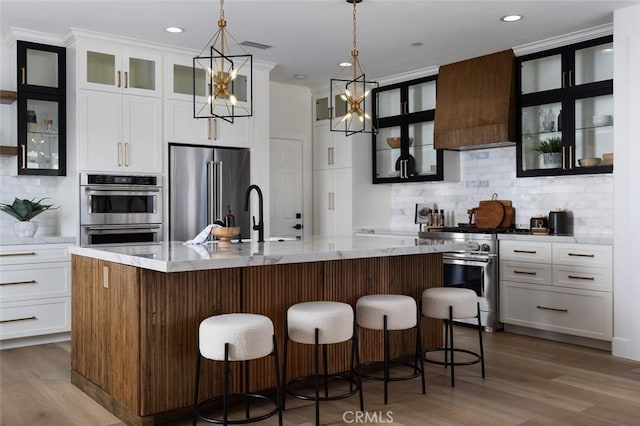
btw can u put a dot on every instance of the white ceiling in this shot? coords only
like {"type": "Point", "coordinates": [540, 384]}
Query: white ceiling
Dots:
{"type": "Point", "coordinates": [312, 36]}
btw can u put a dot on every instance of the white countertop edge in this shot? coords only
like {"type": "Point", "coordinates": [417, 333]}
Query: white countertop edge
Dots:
{"type": "Point", "coordinates": [10, 240]}
{"type": "Point", "coordinates": [570, 239]}
{"type": "Point", "coordinates": [176, 257]}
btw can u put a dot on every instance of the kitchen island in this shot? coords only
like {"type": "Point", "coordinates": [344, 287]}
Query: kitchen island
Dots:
{"type": "Point", "coordinates": [136, 309]}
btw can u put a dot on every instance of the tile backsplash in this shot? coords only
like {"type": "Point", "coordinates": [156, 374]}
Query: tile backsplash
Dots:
{"type": "Point", "coordinates": [587, 198]}
{"type": "Point", "coordinates": [26, 187]}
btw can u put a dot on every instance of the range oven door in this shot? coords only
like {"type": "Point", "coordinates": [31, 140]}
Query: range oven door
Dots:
{"type": "Point", "coordinates": [477, 273]}
{"type": "Point", "coordinates": [93, 235]}
{"type": "Point", "coordinates": [101, 204]}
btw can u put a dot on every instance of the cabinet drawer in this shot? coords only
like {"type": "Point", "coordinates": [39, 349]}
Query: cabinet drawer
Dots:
{"type": "Point", "coordinates": [533, 273]}
{"type": "Point", "coordinates": [600, 279]}
{"type": "Point", "coordinates": [577, 312]}
{"type": "Point", "coordinates": [594, 256]}
{"type": "Point", "coordinates": [42, 280]}
{"type": "Point", "coordinates": [19, 255]}
{"type": "Point", "coordinates": [20, 319]}
{"type": "Point", "coordinates": [525, 251]}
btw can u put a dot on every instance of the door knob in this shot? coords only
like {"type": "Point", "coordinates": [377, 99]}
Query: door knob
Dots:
{"type": "Point", "coordinates": [297, 226]}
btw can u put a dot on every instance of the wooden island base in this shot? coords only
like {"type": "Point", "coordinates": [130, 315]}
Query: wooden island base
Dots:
{"type": "Point", "coordinates": [135, 331]}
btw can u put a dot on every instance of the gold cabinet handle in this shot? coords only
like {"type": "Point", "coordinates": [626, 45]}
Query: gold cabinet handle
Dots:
{"type": "Point", "coordinates": [126, 79]}
{"type": "Point", "coordinates": [525, 251]}
{"type": "Point", "coordinates": [524, 272]}
{"type": "Point", "coordinates": [24, 253]}
{"type": "Point", "coordinates": [24, 156]}
{"type": "Point", "coordinates": [570, 78]}
{"type": "Point", "coordinates": [215, 130]}
{"type": "Point", "coordinates": [575, 277]}
{"type": "Point", "coordinates": [571, 157]}
{"type": "Point", "coordinates": [546, 308]}
{"type": "Point", "coordinates": [19, 282]}
{"type": "Point", "coordinates": [564, 163]}
{"type": "Point", "coordinates": [209, 124]}
{"type": "Point", "coordinates": [328, 156]}
{"type": "Point", "coordinates": [119, 79]}
{"type": "Point", "coordinates": [23, 75]}
{"type": "Point", "coordinates": [18, 319]}
{"type": "Point", "coordinates": [564, 74]}
{"type": "Point", "coordinates": [119, 153]}
{"type": "Point", "coordinates": [126, 154]}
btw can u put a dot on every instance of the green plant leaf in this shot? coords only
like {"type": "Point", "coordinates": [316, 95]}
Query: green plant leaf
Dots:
{"type": "Point", "coordinates": [24, 210]}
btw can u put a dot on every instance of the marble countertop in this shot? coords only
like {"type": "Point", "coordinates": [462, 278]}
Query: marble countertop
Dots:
{"type": "Point", "coordinates": [53, 239]}
{"type": "Point", "coordinates": [174, 256]}
{"type": "Point", "coordinates": [571, 239]}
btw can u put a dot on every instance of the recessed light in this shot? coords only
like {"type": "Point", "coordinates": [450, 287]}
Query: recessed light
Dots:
{"type": "Point", "coordinates": [344, 64]}
{"type": "Point", "coordinates": [511, 18]}
{"type": "Point", "coordinates": [174, 30]}
{"type": "Point", "coordinates": [300, 76]}
{"type": "Point", "coordinates": [416, 44]}
{"type": "Point", "coordinates": [607, 50]}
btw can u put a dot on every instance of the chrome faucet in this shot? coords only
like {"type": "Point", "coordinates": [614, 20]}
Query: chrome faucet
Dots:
{"type": "Point", "coordinates": [260, 226]}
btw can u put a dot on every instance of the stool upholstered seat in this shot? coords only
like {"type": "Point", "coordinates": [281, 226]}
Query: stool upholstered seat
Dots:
{"type": "Point", "coordinates": [333, 320]}
{"type": "Point", "coordinates": [249, 336]}
{"type": "Point", "coordinates": [388, 312]}
{"type": "Point", "coordinates": [449, 303]}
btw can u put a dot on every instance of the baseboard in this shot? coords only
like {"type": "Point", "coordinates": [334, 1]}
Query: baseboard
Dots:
{"type": "Point", "coordinates": [34, 340]}
{"type": "Point", "coordinates": [559, 337]}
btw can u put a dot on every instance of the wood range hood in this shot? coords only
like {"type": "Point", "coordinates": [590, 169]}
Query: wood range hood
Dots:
{"type": "Point", "coordinates": [475, 105]}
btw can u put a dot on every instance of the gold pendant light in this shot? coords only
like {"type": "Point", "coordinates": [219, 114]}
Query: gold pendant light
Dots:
{"type": "Point", "coordinates": [353, 90]}
{"type": "Point", "coordinates": [223, 80]}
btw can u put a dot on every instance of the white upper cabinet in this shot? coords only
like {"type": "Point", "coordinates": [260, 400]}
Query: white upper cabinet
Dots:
{"type": "Point", "coordinates": [112, 68]}
{"type": "Point", "coordinates": [331, 150]}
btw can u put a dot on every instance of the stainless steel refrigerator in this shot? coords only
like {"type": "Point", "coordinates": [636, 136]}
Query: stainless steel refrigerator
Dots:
{"type": "Point", "coordinates": [203, 183]}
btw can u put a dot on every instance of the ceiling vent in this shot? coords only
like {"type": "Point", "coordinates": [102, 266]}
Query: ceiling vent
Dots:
{"type": "Point", "coordinates": [255, 45]}
{"type": "Point", "coordinates": [475, 106]}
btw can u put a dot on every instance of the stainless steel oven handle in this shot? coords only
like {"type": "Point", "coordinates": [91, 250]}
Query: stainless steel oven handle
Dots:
{"type": "Point", "coordinates": [120, 191]}
{"type": "Point", "coordinates": [472, 261]}
{"type": "Point", "coordinates": [120, 227]}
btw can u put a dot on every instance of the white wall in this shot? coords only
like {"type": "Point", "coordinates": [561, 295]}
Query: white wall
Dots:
{"type": "Point", "coordinates": [626, 281]}
{"type": "Point", "coordinates": [290, 118]}
{"type": "Point", "coordinates": [587, 198]}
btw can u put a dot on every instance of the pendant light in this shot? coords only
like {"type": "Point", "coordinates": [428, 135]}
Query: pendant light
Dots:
{"type": "Point", "coordinates": [353, 90]}
{"type": "Point", "coordinates": [222, 77]}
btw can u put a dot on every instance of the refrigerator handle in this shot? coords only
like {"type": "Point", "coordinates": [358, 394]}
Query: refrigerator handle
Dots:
{"type": "Point", "coordinates": [214, 191]}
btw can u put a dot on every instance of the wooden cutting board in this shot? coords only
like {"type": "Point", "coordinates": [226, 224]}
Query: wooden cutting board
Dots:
{"type": "Point", "coordinates": [489, 214]}
{"type": "Point", "coordinates": [509, 212]}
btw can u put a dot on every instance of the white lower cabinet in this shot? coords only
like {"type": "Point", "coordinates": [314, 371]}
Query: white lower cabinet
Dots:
{"type": "Point", "coordinates": [560, 287]}
{"type": "Point", "coordinates": [35, 292]}
{"type": "Point", "coordinates": [332, 202]}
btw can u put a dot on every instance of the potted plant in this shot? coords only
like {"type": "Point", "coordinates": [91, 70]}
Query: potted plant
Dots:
{"type": "Point", "coordinates": [550, 151]}
{"type": "Point", "coordinates": [25, 210]}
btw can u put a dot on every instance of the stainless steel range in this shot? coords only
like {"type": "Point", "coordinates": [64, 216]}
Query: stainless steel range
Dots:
{"type": "Point", "coordinates": [475, 268]}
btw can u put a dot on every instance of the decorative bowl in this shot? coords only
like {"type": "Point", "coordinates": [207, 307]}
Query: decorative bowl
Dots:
{"type": "Point", "coordinates": [224, 235]}
{"type": "Point", "coordinates": [602, 120]}
{"type": "Point", "coordinates": [589, 162]}
{"type": "Point", "coordinates": [394, 142]}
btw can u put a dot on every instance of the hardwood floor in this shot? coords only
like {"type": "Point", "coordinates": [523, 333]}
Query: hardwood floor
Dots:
{"type": "Point", "coordinates": [529, 382]}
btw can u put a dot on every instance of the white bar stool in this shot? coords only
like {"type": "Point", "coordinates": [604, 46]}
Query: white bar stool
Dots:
{"type": "Point", "coordinates": [236, 337]}
{"type": "Point", "coordinates": [449, 303]}
{"type": "Point", "coordinates": [391, 312]}
{"type": "Point", "coordinates": [320, 324]}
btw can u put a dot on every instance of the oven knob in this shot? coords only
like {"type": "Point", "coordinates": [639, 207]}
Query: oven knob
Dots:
{"type": "Point", "coordinates": [485, 247]}
{"type": "Point", "coordinates": [473, 246]}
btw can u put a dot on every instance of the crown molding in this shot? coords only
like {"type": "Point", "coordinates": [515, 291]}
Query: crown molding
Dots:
{"type": "Point", "coordinates": [563, 40]}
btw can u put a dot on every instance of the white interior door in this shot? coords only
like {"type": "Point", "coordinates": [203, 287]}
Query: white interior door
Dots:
{"type": "Point", "coordinates": [286, 187]}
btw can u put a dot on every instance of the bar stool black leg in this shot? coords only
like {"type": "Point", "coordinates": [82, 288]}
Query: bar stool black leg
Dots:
{"type": "Point", "coordinates": [480, 340]}
{"type": "Point", "coordinates": [278, 388]}
{"type": "Point", "coordinates": [325, 371]}
{"type": "Point", "coordinates": [451, 347]}
{"type": "Point", "coordinates": [446, 343]}
{"type": "Point", "coordinates": [317, 372]}
{"type": "Point", "coordinates": [225, 408]}
{"type": "Point", "coordinates": [419, 352]}
{"type": "Point", "coordinates": [284, 363]}
{"type": "Point", "coordinates": [356, 351]}
{"type": "Point", "coordinates": [386, 356]}
{"type": "Point", "coordinates": [196, 389]}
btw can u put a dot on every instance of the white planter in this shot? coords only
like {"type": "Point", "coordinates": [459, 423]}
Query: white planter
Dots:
{"type": "Point", "coordinates": [26, 229]}
{"type": "Point", "coordinates": [550, 160]}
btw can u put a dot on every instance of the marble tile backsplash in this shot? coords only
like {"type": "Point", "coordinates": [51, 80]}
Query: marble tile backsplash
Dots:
{"type": "Point", "coordinates": [587, 198]}
{"type": "Point", "coordinates": [26, 187]}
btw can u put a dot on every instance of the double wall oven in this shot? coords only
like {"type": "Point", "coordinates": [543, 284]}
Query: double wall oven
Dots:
{"type": "Point", "coordinates": [120, 209]}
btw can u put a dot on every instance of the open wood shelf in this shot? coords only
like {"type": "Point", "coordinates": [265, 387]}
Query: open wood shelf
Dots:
{"type": "Point", "coordinates": [8, 96]}
{"type": "Point", "coordinates": [8, 150]}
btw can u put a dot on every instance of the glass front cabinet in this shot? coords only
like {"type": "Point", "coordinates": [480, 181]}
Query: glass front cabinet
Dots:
{"type": "Point", "coordinates": [41, 109]}
{"type": "Point", "coordinates": [565, 102]}
{"type": "Point", "coordinates": [403, 148]}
